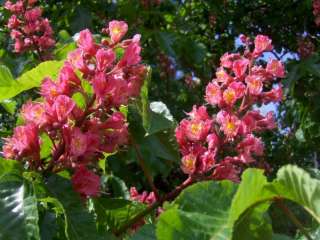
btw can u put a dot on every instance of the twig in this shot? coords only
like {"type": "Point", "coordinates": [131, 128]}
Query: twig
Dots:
{"type": "Point", "coordinates": [170, 196]}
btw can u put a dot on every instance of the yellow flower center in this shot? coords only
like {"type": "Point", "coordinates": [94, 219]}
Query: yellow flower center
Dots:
{"type": "Point", "coordinates": [230, 126]}
{"type": "Point", "coordinates": [229, 96]}
{"type": "Point", "coordinates": [116, 30]}
{"type": "Point", "coordinates": [195, 127]}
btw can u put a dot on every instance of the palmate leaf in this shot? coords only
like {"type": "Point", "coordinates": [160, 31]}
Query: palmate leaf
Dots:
{"type": "Point", "coordinates": [114, 213]}
{"type": "Point", "coordinates": [201, 208]}
{"type": "Point", "coordinates": [10, 87]}
{"type": "Point", "coordinates": [200, 212]}
{"type": "Point", "coordinates": [79, 223]}
{"type": "Point", "coordinates": [146, 232]}
{"type": "Point", "coordinates": [295, 184]}
{"type": "Point", "coordinates": [18, 204]}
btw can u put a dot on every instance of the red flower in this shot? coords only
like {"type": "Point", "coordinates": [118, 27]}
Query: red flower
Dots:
{"type": "Point", "coordinates": [117, 29]}
{"type": "Point", "coordinates": [86, 182]}
{"type": "Point", "coordinates": [261, 44]}
{"type": "Point", "coordinates": [254, 84]}
{"type": "Point", "coordinates": [275, 68]}
{"type": "Point", "coordinates": [86, 42]}
{"type": "Point", "coordinates": [104, 59]}
{"type": "Point", "coordinates": [213, 94]}
{"type": "Point", "coordinates": [132, 53]}
{"type": "Point", "coordinates": [34, 113]}
{"type": "Point", "coordinates": [25, 142]}
{"type": "Point", "coordinates": [240, 67]}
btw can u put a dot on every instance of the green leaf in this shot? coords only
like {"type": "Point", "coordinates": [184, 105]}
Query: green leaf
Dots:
{"type": "Point", "coordinates": [9, 105]}
{"type": "Point", "coordinates": [300, 135]}
{"type": "Point", "coordinates": [46, 146]}
{"type": "Point", "coordinates": [200, 212]}
{"type": "Point", "coordinates": [18, 204]}
{"type": "Point", "coordinates": [160, 118]}
{"type": "Point", "coordinates": [117, 186]}
{"type": "Point", "coordinates": [144, 95]}
{"type": "Point", "coordinates": [166, 42]}
{"type": "Point", "coordinates": [296, 185]}
{"type": "Point", "coordinates": [146, 232]}
{"type": "Point", "coordinates": [281, 237]}
{"type": "Point", "coordinates": [79, 223]}
{"type": "Point", "coordinates": [254, 224]}
{"type": "Point", "coordinates": [79, 99]}
{"type": "Point", "coordinates": [62, 52]}
{"type": "Point", "coordinates": [9, 87]}
{"type": "Point", "coordinates": [200, 208]}
{"type": "Point", "coordinates": [114, 213]}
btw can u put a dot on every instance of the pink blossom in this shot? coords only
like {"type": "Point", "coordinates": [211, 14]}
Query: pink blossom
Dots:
{"type": "Point", "coordinates": [206, 161]}
{"type": "Point", "coordinates": [104, 59]}
{"type": "Point", "coordinates": [62, 108]}
{"type": "Point", "coordinates": [49, 90]}
{"type": "Point", "coordinates": [135, 76]}
{"type": "Point", "coordinates": [227, 59]}
{"type": "Point", "coordinates": [34, 113]}
{"type": "Point", "coordinates": [14, 7]}
{"type": "Point", "coordinates": [248, 146]}
{"type": "Point", "coordinates": [229, 96]}
{"type": "Point", "coordinates": [132, 53]}
{"type": "Point", "coordinates": [117, 30]}
{"type": "Point", "coordinates": [213, 141]}
{"type": "Point", "coordinates": [275, 68]}
{"type": "Point", "coordinates": [226, 171]}
{"type": "Point", "coordinates": [229, 124]}
{"type": "Point", "coordinates": [99, 84]}
{"type": "Point", "coordinates": [33, 14]}
{"type": "Point", "coordinates": [239, 89]}
{"type": "Point", "coordinates": [254, 84]}
{"type": "Point", "coordinates": [199, 113]}
{"type": "Point", "coordinates": [274, 95]}
{"type": "Point", "coordinates": [25, 142]}
{"type": "Point", "coordinates": [35, 31]}
{"type": "Point", "coordinates": [188, 163]}
{"type": "Point", "coordinates": [75, 58]}
{"type": "Point", "coordinates": [213, 94]}
{"type": "Point", "coordinates": [79, 142]}
{"type": "Point", "coordinates": [198, 130]}
{"type": "Point", "coordinates": [86, 42]}
{"type": "Point", "coordinates": [86, 182]}
{"type": "Point", "coordinates": [240, 67]}
{"type": "Point", "coordinates": [223, 76]}
{"type": "Point", "coordinates": [261, 44]}
{"type": "Point", "coordinates": [13, 22]}
{"type": "Point", "coordinates": [68, 77]}
{"type": "Point", "coordinates": [144, 197]}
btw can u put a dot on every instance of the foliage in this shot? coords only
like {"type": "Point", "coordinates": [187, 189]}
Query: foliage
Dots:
{"type": "Point", "coordinates": [135, 184]}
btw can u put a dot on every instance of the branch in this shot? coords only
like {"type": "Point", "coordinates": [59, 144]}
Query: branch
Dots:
{"type": "Point", "coordinates": [170, 196]}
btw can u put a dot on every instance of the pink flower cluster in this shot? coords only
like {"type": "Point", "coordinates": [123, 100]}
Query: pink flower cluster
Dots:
{"type": "Point", "coordinates": [221, 144]}
{"type": "Point", "coordinates": [316, 11]}
{"type": "Point", "coordinates": [81, 134]}
{"type": "Point", "coordinates": [29, 30]}
{"type": "Point", "coordinates": [144, 197]}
